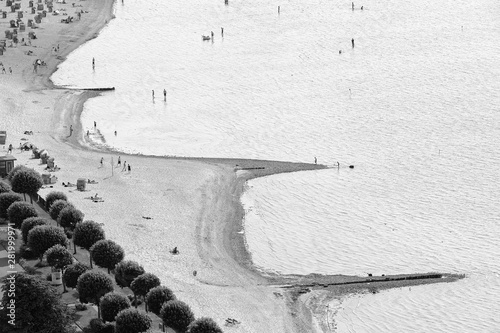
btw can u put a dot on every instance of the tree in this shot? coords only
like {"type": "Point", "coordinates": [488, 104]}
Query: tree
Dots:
{"type": "Point", "coordinates": [177, 315]}
{"type": "Point", "coordinates": [87, 234]}
{"type": "Point", "coordinates": [72, 273]}
{"type": "Point", "coordinates": [107, 254]}
{"type": "Point", "coordinates": [126, 271]}
{"type": "Point", "coordinates": [58, 257]}
{"type": "Point", "coordinates": [43, 237]}
{"type": "Point", "coordinates": [92, 286]}
{"type": "Point", "coordinates": [142, 284]}
{"type": "Point", "coordinates": [157, 296]}
{"type": "Point", "coordinates": [4, 187]}
{"type": "Point", "coordinates": [132, 321]}
{"type": "Point", "coordinates": [14, 171]}
{"type": "Point", "coordinates": [204, 325]}
{"type": "Point", "coordinates": [27, 181]}
{"type": "Point", "coordinates": [7, 199]}
{"type": "Point", "coordinates": [56, 208]}
{"type": "Point", "coordinates": [96, 325]}
{"type": "Point", "coordinates": [69, 217]}
{"type": "Point", "coordinates": [111, 304]}
{"type": "Point", "coordinates": [19, 211]}
{"type": "Point", "coordinates": [38, 306]}
{"type": "Point", "coordinates": [29, 223]}
{"type": "Point", "coordinates": [53, 196]}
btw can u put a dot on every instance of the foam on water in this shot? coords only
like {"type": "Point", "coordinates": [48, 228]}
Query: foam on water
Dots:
{"type": "Point", "coordinates": [414, 106]}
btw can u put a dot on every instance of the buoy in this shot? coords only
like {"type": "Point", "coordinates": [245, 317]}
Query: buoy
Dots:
{"type": "Point", "coordinates": [351, 166]}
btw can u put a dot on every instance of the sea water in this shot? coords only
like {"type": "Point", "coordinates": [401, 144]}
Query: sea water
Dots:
{"type": "Point", "coordinates": [414, 107]}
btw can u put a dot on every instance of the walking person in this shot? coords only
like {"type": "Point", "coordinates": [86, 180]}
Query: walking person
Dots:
{"type": "Point", "coordinates": [124, 166]}
{"type": "Point", "coordinates": [153, 92]}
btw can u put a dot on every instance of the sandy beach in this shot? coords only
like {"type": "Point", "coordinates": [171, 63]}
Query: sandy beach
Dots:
{"type": "Point", "coordinates": [193, 204]}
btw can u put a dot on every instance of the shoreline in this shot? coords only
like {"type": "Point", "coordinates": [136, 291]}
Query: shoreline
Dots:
{"type": "Point", "coordinates": [219, 245]}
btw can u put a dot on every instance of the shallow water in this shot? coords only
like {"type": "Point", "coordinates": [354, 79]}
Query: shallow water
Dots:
{"type": "Point", "coordinates": [414, 107]}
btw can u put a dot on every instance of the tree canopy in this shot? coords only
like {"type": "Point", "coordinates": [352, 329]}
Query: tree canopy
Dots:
{"type": "Point", "coordinates": [106, 253]}
{"type": "Point", "coordinates": [26, 181]}
{"type": "Point", "coordinates": [38, 306]}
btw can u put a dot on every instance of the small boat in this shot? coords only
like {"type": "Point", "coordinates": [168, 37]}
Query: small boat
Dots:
{"type": "Point", "coordinates": [205, 37]}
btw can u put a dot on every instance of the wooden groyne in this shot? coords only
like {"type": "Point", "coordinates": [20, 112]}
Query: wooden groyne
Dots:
{"type": "Point", "coordinates": [99, 89]}
{"type": "Point", "coordinates": [369, 280]}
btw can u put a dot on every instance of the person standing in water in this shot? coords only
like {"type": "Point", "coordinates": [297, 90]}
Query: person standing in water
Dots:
{"type": "Point", "coordinates": [352, 42]}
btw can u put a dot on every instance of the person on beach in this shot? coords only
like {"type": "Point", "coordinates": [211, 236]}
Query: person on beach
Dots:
{"type": "Point", "coordinates": [222, 31]}
{"type": "Point", "coordinates": [115, 133]}
{"type": "Point", "coordinates": [10, 70]}
{"type": "Point", "coordinates": [315, 160]}
{"type": "Point", "coordinates": [124, 166]}
{"type": "Point", "coordinates": [278, 9]}
{"type": "Point", "coordinates": [70, 130]}
{"type": "Point", "coordinates": [95, 124]}
{"type": "Point", "coordinates": [352, 42]}
{"type": "Point", "coordinates": [212, 34]}
{"type": "Point", "coordinates": [119, 161]}
{"type": "Point", "coordinates": [3, 70]}
{"type": "Point", "coordinates": [88, 133]}
{"type": "Point", "coordinates": [102, 159]}
{"type": "Point", "coordinates": [352, 5]}
{"type": "Point", "coordinates": [338, 165]}
{"type": "Point", "coordinates": [165, 95]}
{"type": "Point", "coordinates": [153, 92]}
{"type": "Point", "coordinates": [361, 7]}
{"type": "Point", "coordinates": [93, 63]}
{"type": "Point", "coordinates": [10, 149]}
{"type": "Point", "coordinates": [129, 168]}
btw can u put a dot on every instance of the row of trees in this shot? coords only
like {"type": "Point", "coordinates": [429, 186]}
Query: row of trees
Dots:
{"type": "Point", "coordinates": [51, 242]}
